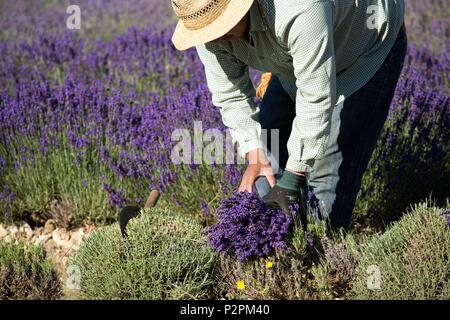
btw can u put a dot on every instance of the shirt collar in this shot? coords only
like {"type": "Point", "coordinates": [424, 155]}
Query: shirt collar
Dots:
{"type": "Point", "coordinates": [256, 22]}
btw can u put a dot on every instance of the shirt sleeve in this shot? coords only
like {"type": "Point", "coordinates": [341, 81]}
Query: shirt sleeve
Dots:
{"type": "Point", "coordinates": [309, 37]}
{"type": "Point", "coordinates": [232, 92]}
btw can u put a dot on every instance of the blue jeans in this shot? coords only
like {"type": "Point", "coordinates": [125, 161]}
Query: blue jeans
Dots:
{"type": "Point", "coordinates": [356, 125]}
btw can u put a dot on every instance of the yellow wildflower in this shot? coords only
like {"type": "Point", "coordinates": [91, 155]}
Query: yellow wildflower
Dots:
{"type": "Point", "coordinates": [240, 285]}
{"type": "Point", "coordinates": [269, 264]}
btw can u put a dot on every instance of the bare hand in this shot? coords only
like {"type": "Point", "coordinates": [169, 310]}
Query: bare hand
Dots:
{"type": "Point", "coordinates": [258, 166]}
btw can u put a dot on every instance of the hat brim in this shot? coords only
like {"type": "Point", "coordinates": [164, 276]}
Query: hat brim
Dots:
{"type": "Point", "coordinates": [184, 38]}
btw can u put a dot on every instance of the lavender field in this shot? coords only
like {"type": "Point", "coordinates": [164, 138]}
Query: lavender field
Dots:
{"type": "Point", "coordinates": [86, 124]}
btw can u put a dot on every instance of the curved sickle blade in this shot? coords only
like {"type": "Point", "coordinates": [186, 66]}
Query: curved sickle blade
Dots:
{"type": "Point", "coordinates": [125, 215]}
{"type": "Point", "coordinates": [129, 212]}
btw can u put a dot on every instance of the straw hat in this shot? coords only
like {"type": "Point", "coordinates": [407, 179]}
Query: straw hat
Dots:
{"type": "Point", "coordinates": [201, 21]}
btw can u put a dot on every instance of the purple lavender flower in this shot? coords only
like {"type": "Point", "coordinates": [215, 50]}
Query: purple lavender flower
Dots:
{"type": "Point", "coordinates": [116, 197]}
{"type": "Point", "coordinates": [446, 215]}
{"type": "Point", "coordinates": [309, 238]}
{"type": "Point", "coordinates": [247, 229]}
{"type": "Point", "coordinates": [206, 209]}
{"type": "Point", "coordinates": [3, 162]}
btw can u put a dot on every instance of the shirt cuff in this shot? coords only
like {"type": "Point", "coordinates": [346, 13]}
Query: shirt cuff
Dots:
{"type": "Point", "coordinates": [300, 166]}
{"type": "Point", "coordinates": [249, 145]}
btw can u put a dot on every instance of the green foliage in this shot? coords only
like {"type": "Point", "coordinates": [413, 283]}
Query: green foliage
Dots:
{"type": "Point", "coordinates": [280, 276]}
{"type": "Point", "coordinates": [285, 279]}
{"type": "Point", "coordinates": [412, 257]}
{"type": "Point", "coordinates": [165, 256]}
{"type": "Point", "coordinates": [337, 267]}
{"type": "Point", "coordinates": [212, 182]}
{"type": "Point", "coordinates": [57, 175]}
{"type": "Point", "coordinates": [26, 273]}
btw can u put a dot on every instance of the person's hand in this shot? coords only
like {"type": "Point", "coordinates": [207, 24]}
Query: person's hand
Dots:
{"type": "Point", "coordinates": [258, 166]}
{"type": "Point", "coordinates": [291, 190]}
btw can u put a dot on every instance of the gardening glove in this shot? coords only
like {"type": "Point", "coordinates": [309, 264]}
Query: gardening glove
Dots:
{"type": "Point", "coordinates": [290, 190]}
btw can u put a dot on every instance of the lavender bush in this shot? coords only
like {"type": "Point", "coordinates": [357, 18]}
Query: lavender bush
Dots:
{"type": "Point", "coordinates": [164, 256]}
{"type": "Point", "coordinates": [412, 258]}
{"type": "Point", "coordinates": [26, 273]}
{"type": "Point", "coordinates": [412, 159]}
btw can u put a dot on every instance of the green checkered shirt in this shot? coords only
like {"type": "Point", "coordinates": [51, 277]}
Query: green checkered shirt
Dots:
{"type": "Point", "coordinates": [322, 51]}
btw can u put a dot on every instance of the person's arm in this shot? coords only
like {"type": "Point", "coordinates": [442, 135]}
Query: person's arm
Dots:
{"type": "Point", "coordinates": [232, 92]}
{"type": "Point", "coordinates": [309, 37]}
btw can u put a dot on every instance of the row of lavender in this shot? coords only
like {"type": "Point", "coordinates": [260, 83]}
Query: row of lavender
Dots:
{"type": "Point", "coordinates": [412, 160]}
{"type": "Point", "coordinates": [90, 121]}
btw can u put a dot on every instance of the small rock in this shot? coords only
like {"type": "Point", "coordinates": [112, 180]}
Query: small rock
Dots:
{"type": "Point", "coordinates": [29, 236]}
{"type": "Point", "coordinates": [3, 232]}
{"type": "Point", "coordinates": [39, 231]}
{"type": "Point", "coordinates": [65, 235]}
{"type": "Point", "coordinates": [12, 230]}
{"type": "Point", "coordinates": [49, 226]}
{"type": "Point", "coordinates": [26, 229]}
{"type": "Point", "coordinates": [24, 226]}
{"type": "Point", "coordinates": [64, 260]}
{"type": "Point", "coordinates": [43, 238]}
{"type": "Point", "coordinates": [76, 237]}
{"type": "Point", "coordinates": [57, 237]}
{"type": "Point", "coordinates": [50, 245]}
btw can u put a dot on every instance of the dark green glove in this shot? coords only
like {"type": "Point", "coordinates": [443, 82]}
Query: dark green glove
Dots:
{"type": "Point", "coordinates": [292, 189]}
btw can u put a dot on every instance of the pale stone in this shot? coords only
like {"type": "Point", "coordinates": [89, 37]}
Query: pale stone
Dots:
{"type": "Point", "coordinates": [13, 230]}
{"type": "Point", "coordinates": [38, 231]}
{"type": "Point", "coordinates": [50, 226]}
{"type": "Point", "coordinates": [56, 236]}
{"type": "Point", "coordinates": [65, 235]}
{"type": "Point", "coordinates": [3, 232]}
{"type": "Point", "coordinates": [50, 245]}
{"type": "Point", "coordinates": [76, 237]}
{"type": "Point", "coordinates": [64, 260]}
{"type": "Point", "coordinates": [28, 231]}
{"type": "Point", "coordinates": [43, 238]}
